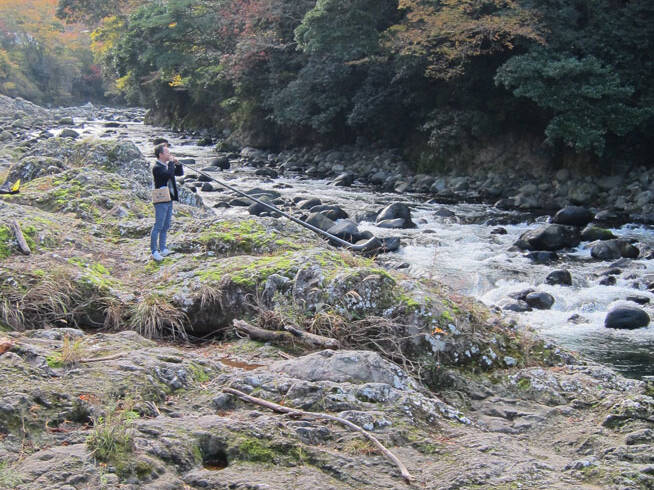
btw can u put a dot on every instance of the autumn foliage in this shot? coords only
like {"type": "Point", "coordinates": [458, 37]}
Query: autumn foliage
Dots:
{"type": "Point", "coordinates": [435, 77]}
{"type": "Point", "coordinates": [41, 58]}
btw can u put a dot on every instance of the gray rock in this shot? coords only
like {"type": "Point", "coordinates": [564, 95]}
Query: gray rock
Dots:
{"type": "Point", "coordinates": [266, 172]}
{"type": "Point", "coordinates": [390, 244]}
{"type": "Point", "coordinates": [321, 221]}
{"type": "Point", "coordinates": [343, 180]}
{"type": "Point", "coordinates": [540, 300]}
{"type": "Point", "coordinates": [573, 216]}
{"type": "Point", "coordinates": [644, 436]}
{"type": "Point", "coordinates": [267, 193]}
{"type": "Point", "coordinates": [518, 306]}
{"type": "Point", "coordinates": [345, 229]}
{"type": "Point", "coordinates": [626, 317]}
{"type": "Point", "coordinates": [257, 209]}
{"type": "Point", "coordinates": [560, 276]}
{"type": "Point", "coordinates": [614, 249]}
{"type": "Point", "coordinates": [641, 300]}
{"type": "Point", "coordinates": [309, 203]}
{"type": "Point", "coordinates": [396, 211]}
{"type": "Point", "coordinates": [274, 283]}
{"type": "Point", "coordinates": [542, 257]}
{"type": "Point", "coordinates": [33, 167]}
{"type": "Point", "coordinates": [549, 237]}
{"type": "Point", "coordinates": [221, 162]}
{"type": "Point", "coordinates": [69, 133]}
{"type": "Point", "coordinates": [357, 367]}
{"type": "Point", "coordinates": [444, 213]}
{"type": "Point", "coordinates": [331, 211]}
{"type": "Point", "coordinates": [393, 223]}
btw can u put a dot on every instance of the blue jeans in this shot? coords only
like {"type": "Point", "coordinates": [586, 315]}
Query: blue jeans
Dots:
{"type": "Point", "coordinates": [163, 214]}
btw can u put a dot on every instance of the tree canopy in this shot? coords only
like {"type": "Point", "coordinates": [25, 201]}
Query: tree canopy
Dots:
{"type": "Point", "coordinates": [41, 58]}
{"type": "Point", "coordinates": [431, 74]}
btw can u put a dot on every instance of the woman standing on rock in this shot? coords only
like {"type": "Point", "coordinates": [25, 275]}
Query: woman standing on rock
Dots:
{"type": "Point", "coordinates": [163, 172]}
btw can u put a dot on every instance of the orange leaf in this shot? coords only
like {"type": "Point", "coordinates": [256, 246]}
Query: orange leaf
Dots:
{"type": "Point", "coordinates": [5, 345]}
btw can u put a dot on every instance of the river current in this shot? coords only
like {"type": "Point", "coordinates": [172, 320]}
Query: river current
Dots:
{"type": "Point", "coordinates": [461, 251]}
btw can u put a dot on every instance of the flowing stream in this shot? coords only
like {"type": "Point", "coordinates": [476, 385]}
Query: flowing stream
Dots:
{"type": "Point", "coordinates": [461, 251]}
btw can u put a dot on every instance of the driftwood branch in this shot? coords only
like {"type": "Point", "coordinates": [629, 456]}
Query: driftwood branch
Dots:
{"type": "Point", "coordinates": [101, 359]}
{"type": "Point", "coordinates": [289, 334]}
{"type": "Point", "coordinates": [18, 233]}
{"type": "Point", "coordinates": [295, 412]}
{"type": "Point", "coordinates": [313, 339]}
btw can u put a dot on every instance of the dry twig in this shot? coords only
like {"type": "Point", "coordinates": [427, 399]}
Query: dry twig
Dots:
{"type": "Point", "coordinates": [295, 412]}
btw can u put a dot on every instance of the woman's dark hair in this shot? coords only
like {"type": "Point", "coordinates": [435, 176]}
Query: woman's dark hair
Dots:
{"type": "Point", "coordinates": [158, 150]}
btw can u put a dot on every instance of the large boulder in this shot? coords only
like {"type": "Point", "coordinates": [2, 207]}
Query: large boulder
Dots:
{"type": "Point", "coordinates": [30, 168]}
{"type": "Point", "coordinates": [396, 211]}
{"type": "Point", "coordinates": [614, 249]}
{"type": "Point", "coordinates": [549, 237]}
{"type": "Point", "coordinates": [357, 367]}
{"type": "Point", "coordinates": [573, 216]}
{"type": "Point", "coordinates": [626, 317]}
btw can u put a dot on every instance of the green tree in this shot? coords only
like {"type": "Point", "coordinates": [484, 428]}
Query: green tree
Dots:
{"type": "Point", "coordinates": [587, 100]}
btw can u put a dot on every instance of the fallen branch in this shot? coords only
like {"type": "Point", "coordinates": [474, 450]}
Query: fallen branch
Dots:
{"type": "Point", "coordinates": [289, 334]}
{"type": "Point", "coordinates": [101, 359]}
{"type": "Point", "coordinates": [295, 412]}
{"type": "Point", "coordinates": [18, 233]}
{"type": "Point", "coordinates": [313, 339]}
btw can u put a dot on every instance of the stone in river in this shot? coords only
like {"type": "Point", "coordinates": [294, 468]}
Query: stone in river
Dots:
{"type": "Point", "coordinates": [641, 300]}
{"type": "Point", "coordinates": [560, 276]}
{"type": "Point", "coordinates": [626, 317]}
{"type": "Point", "coordinates": [540, 300]}
{"type": "Point", "coordinates": [573, 215]}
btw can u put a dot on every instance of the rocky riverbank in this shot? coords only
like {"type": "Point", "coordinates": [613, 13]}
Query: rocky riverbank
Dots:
{"type": "Point", "coordinates": [461, 396]}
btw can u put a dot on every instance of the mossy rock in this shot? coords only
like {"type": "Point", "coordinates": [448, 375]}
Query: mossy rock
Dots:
{"type": "Point", "coordinates": [30, 168]}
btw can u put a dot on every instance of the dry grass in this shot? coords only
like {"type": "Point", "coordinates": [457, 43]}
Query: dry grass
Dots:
{"type": "Point", "coordinates": [378, 334]}
{"type": "Point", "coordinates": [11, 316]}
{"type": "Point", "coordinates": [154, 316]}
{"type": "Point", "coordinates": [113, 315]}
{"type": "Point", "coordinates": [209, 295]}
{"type": "Point", "coordinates": [52, 299]}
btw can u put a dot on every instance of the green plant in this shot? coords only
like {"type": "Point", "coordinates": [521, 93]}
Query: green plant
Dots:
{"type": "Point", "coordinates": [69, 354]}
{"type": "Point", "coordinates": [9, 478]}
{"type": "Point", "coordinates": [111, 439]}
{"type": "Point", "coordinates": [251, 449]}
{"type": "Point", "coordinates": [199, 374]}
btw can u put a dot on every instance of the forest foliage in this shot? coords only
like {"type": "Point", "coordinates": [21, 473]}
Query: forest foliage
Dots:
{"type": "Point", "coordinates": [44, 59]}
{"type": "Point", "coordinates": [431, 76]}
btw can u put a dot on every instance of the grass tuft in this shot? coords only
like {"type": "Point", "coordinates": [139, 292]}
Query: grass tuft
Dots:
{"type": "Point", "coordinates": [154, 315]}
{"type": "Point", "coordinates": [111, 439]}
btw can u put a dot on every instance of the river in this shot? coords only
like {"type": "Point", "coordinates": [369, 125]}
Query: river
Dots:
{"type": "Point", "coordinates": [461, 252]}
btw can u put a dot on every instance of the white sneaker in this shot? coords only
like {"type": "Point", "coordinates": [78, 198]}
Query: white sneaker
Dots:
{"type": "Point", "coordinates": [165, 252]}
{"type": "Point", "coordinates": [157, 256]}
